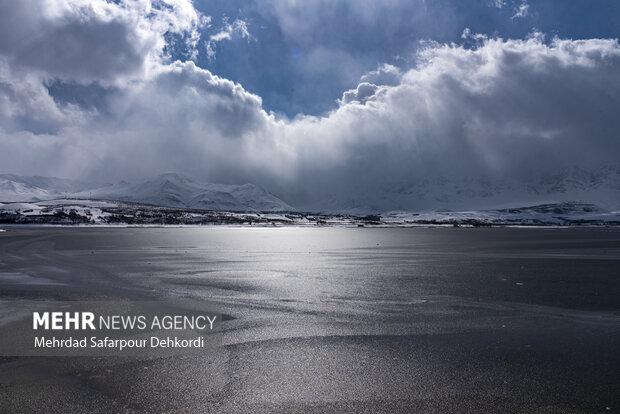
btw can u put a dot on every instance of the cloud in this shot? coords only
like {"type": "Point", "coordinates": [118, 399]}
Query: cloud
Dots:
{"type": "Point", "coordinates": [304, 54]}
{"type": "Point", "coordinates": [181, 118]}
{"type": "Point", "coordinates": [361, 94]}
{"type": "Point", "coordinates": [238, 28]}
{"type": "Point", "coordinates": [521, 11]}
{"type": "Point", "coordinates": [476, 37]}
{"type": "Point", "coordinates": [25, 103]}
{"type": "Point", "coordinates": [498, 108]}
{"type": "Point", "coordinates": [385, 74]}
{"type": "Point", "coordinates": [92, 41]}
{"type": "Point", "coordinates": [513, 109]}
{"type": "Point", "coordinates": [80, 45]}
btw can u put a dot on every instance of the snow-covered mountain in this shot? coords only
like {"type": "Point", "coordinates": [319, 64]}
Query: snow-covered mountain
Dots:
{"type": "Point", "coordinates": [557, 214]}
{"type": "Point", "coordinates": [177, 190]}
{"type": "Point", "coordinates": [83, 212]}
{"type": "Point", "coordinates": [16, 188]}
{"type": "Point", "coordinates": [170, 190]}
{"type": "Point", "coordinates": [600, 186]}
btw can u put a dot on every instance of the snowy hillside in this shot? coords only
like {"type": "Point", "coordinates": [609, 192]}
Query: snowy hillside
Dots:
{"type": "Point", "coordinates": [176, 190]}
{"type": "Point", "coordinates": [170, 190]}
{"type": "Point", "coordinates": [17, 188]}
{"type": "Point", "coordinates": [89, 212]}
{"type": "Point", "coordinates": [557, 214]}
{"type": "Point", "coordinates": [600, 186]}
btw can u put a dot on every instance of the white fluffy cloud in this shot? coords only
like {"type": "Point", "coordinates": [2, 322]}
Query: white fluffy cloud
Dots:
{"type": "Point", "coordinates": [502, 108]}
{"type": "Point", "coordinates": [238, 28]}
{"type": "Point", "coordinates": [384, 75]}
{"type": "Point", "coordinates": [522, 10]}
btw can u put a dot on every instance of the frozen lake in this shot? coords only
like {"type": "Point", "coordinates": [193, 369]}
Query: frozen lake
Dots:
{"type": "Point", "coordinates": [323, 319]}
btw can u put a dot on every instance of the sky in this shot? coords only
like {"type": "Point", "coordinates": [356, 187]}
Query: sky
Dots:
{"type": "Point", "coordinates": [333, 103]}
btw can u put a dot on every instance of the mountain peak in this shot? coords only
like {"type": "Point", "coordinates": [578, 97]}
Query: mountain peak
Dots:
{"type": "Point", "coordinates": [173, 177]}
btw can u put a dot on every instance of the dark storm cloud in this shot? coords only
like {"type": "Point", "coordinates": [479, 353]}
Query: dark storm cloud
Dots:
{"type": "Point", "coordinates": [507, 108]}
{"type": "Point", "coordinates": [49, 48]}
{"type": "Point", "coordinates": [89, 41]}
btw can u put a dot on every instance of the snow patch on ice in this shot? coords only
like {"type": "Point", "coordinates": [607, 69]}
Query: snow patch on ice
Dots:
{"type": "Point", "coordinates": [20, 206]}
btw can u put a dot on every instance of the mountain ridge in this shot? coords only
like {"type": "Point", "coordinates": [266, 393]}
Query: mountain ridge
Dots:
{"type": "Point", "coordinates": [168, 190]}
{"type": "Point", "coordinates": [599, 185]}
